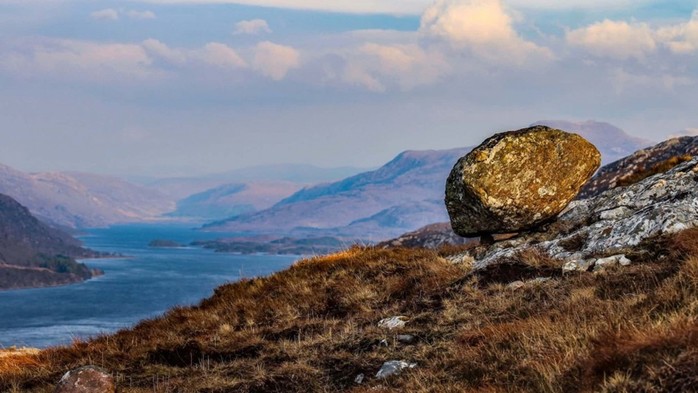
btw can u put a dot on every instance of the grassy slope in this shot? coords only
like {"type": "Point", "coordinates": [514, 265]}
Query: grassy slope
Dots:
{"type": "Point", "coordinates": [313, 328]}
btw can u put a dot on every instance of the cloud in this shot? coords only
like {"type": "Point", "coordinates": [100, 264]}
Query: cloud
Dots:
{"type": "Point", "coordinates": [682, 38]}
{"type": "Point", "coordinates": [221, 55]}
{"type": "Point", "coordinates": [274, 60]}
{"type": "Point", "coordinates": [161, 51]}
{"type": "Point", "coordinates": [408, 66]}
{"type": "Point", "coordinates": [134, 14]}
{"type": "Point", "coordinates": [254, 26]}
{"type": "Point", "coordinates": [482, 27]}
{"type": "Point", "coordinates": [614, 39]}
{"type": "Point", "coordinates": [78, 59]}
{"type": "Point", "coordinates": [105, 14]}
{"type": "Point", "coordinates": [412, 7]}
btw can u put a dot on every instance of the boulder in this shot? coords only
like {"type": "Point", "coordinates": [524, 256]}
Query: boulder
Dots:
{"type": "Point", "coordinates": [88, 379]}
{"type": "Point", "coordinates": [517, 180]}
{"type": "Point", "coordinates": [586, 236]}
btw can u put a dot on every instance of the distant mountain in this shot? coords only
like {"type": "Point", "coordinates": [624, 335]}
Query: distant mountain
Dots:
{"type": "Point", "coordinates": [79, 200]}
{"type": "Point", "coordinates": [183, 187]}
{"type": "Point", "coordinates": [401, 196]}
{"type": "Point", "coordinates": [33, 254]}
{"type": "Point", "coordinates": [234, 199]}
{"type": "Point", "coordinates": [366, 205]}
{"type": "Point", "coordinates": [612, 142]}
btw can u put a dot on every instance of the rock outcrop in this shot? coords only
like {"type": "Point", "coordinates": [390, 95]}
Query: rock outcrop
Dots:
{"type": "Point", "coordinates": [516, 180]}
{"type": "Point", "coordinates": [602, 229]}
{"type": "Point", "coordinates": [88, 379]}
{"type": "Point", "coordinates": [624, 171]}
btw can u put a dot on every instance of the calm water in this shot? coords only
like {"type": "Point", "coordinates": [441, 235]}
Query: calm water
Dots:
{"type": "Point", "coordinates": [143, 286]}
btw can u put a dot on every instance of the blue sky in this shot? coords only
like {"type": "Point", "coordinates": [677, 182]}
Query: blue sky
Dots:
{"type": "Point", "coordinates": [169, 87]}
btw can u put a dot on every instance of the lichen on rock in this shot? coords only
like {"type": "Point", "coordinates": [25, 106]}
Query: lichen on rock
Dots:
{"type": "Point", "coordinates": [517, 180]}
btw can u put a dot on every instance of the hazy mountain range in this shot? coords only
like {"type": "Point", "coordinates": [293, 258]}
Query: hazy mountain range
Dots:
{"type": "Point", "coordinates": [79, 200]}
{"type": "Point", "coordinates": [401, 196]}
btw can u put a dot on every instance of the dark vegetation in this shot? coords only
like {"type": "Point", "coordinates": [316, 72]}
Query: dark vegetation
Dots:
{"type": "Point", "coordinates": [164, 243]}
{"type": "Point", "coordinates": [313, 328]}
{"type": "Point", "coordinates": [34, 255]}
{"type": "Point", "coordinates": [281, 246]}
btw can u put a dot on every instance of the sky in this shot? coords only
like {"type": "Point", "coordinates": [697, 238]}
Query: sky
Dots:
{"type": "Point", "coordinates": [188, 87]}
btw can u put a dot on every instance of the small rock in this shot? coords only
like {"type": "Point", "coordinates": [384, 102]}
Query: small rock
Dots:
{"type": "Point", "coordinates": [88, 379]}
{"type": "Point", "coordinates": [393, 367]}
{"type": "Point", "coordinates": [383, 343]}
{"type": "Point", "coordinates": [393, 322]}
{"type": "Point", "coordinates": [577, 265]}
{"type": "Point", "coordinates": [512, 286]}
{"type": "Point", "coordinates": [516, 180]}
{"type": "Point", "coordinates": [405, 338]}
{"type": "Point", "coordinates": [359, 378]}
{"type": "Point", "coordinates": [602, 263]}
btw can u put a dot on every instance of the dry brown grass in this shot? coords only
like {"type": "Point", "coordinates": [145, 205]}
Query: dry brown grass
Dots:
{"type": "Point", "coordinates": [313, 328]}
{"type": "Point", "coordinates": [660, 167]}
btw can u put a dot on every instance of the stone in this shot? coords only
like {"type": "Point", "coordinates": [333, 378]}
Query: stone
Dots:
{"type": "Point", "coordinates": [517, 180]}
{"type": "Point", "coordinates": [603, 263]}
{"type": "Point", "coordinates": [393, 367]}
{"type": "Point", "coordinates": [88, 379]}
{"type": "Point", "coordinates": [405, 338]}
{"type": "Point", "coordinates": [646, 214]}
{"type": "Point", "coordinates": [359, 379]}
{"type": "Point", "coordinates": [391, 323]}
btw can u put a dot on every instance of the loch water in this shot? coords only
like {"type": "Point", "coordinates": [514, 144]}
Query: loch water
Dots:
{"type": "Point", "coordinates": [145, 284]}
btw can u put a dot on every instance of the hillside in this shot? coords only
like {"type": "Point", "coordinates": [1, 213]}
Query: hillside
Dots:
{"type": "Point", "coordinates": [632, 168]}
{"type": "Point", "coordinates": [234, 199]}
{"type": "Point", "coordinates": [403, 195]}
{"type": "Point", "coordinates": [411, 178]}
{"type": "Point", "coordinates": [33, 254]}
{"type": "Point", "coordinates": [182, 187]}
{"type": "Point", "coordinates": [315, 328]}
{"type": "Point", "coordinates": [79, 200]}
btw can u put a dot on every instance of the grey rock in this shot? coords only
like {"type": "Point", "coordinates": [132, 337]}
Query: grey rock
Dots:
{"type": "Point", "coordinates": [405, 338]}
{"type": "Point", "coordinates": [613, 260]}
{"type": "Point", "coordinates": [359, 379]}
{"type": "Point", "coordinates": [391, 323]}
{"type": "Point", "coordinates": [88, 379]}
{"type": "Point", "coordinates": [661, 204]}
{"type": "Point", "coordinates": [393, 367]}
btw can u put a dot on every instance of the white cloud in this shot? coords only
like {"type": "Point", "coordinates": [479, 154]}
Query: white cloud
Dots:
{"type": "Point", "coordinates": [160, 50]}
{"type": "Point", "coordinates": [484, 28]}
{"type": "Point", "coordinates": [408, 66]}
{"type": "Point", "coordinates": [274, 60]}
{"type": "Point", "coordinates": [78, 59]}
{"type": "Point", "coordinates": [105, 14]}
{"type": "Point", "coordinates": [254, 26]}
{"type": "Point", "coordinates": [221, 55]}
{"type": "Point", "coordinates": [682, 38]}
{"type": "Point", "coordinates": [412, 7]}
{"type": "Point", "coordinates": [614, 39]}
{"type": "Point", "coordinates": [134, 14]}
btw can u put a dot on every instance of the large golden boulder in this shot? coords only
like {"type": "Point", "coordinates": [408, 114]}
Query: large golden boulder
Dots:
{"type": "Point", "coordinates": [517, 180]}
